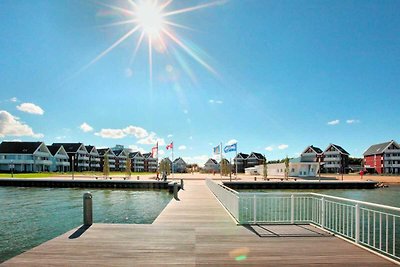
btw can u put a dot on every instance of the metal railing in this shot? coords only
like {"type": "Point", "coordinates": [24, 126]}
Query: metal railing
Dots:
{"type": "Point", "coordinates": [372, 225]}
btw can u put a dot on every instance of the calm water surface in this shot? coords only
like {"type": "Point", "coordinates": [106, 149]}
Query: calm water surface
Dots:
{"type": "Point", "coordinates": [31, 216]}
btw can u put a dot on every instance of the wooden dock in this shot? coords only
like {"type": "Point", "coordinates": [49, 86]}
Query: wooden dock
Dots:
{"type": "Point", "coordinates": [196, 231]}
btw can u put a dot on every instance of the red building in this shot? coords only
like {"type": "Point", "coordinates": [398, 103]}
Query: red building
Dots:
{"type": "Point", "coordinates": [383, 158]}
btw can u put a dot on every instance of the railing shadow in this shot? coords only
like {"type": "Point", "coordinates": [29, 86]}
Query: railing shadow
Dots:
{"type": "Point", "coordinates": [81, 230]}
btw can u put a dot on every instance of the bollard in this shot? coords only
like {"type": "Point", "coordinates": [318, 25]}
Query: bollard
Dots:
{"type": "Point", "coordinates": [182, 184]}
{"type": "Point", "coordinates": [176, 191]}
{"type": "Point", "coordinates": [138, 178]}
{"type": "Point", "coordinates": [255, 178]}
{"type": "Point", "coordinates": [87, 209]}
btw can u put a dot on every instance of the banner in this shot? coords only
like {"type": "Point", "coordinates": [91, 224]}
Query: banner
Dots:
{"type": "Point", "coordinates": [230, 148]}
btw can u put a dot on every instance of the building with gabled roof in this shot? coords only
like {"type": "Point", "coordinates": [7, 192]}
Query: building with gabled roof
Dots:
{"type": "Point", "coordinates": [336, 159]}
{"type": "Point", "coordinates": [150, 162]}
{"type": "Point", "coordinates": [137, 160]}
{"type": "Point", "coordinates": [211, 166]}
{"type": "Point", "coordinates": [25, 157]}
{"type": "Point", "coordinates": [60, 159]}
{"type": "Point", "coordinates": [310, 154]}
{"type": "Point", "coordinates": [121, 157]}
{"type": "Point", "coordinates": [240, 162]}
{"type": "Point", "coordinates": [254, 159]}
{"type": "Point", "coordinates": [383, 158]}
{"type": "Point", "coordinates": [107, 152]}
{"type": "Point", "coordinates": [179, 165]}
{"type": "Point", "coordinates": [94, 158]}
{"type": "Point", "coordinates": [78, 155]}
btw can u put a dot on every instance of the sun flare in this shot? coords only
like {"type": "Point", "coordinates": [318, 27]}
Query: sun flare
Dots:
{"type": "Point", "coordinates": [150, 19]}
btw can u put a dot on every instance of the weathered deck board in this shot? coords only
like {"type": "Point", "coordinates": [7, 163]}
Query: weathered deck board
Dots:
{"type": "Point", "coordinates": [195, 231]}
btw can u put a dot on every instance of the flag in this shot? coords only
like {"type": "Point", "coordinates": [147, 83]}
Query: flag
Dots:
{"type": "Point", "coordinates": [170, 146]}
{"type": "Point", "coordinates": [217, 150]}
{"type": "Point", "coordinates": [230, 148]}
{"type": "Point", "coordinates": [154, 151]}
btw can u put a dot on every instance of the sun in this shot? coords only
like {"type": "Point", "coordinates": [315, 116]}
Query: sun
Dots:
{"type": "Point", "coordinates": [151, 20]}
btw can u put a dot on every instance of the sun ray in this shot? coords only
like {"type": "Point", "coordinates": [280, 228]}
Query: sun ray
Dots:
{"type": "Point", "coordinates": [123, 10]}
{"type": "Point", "coordinates": [139, 42]}
{"type": "Point", "coordinates": [165, 4]}
{"type": "Point", "coordinates": [178, 25]}
{"type": "Point", "coordinates": [105, 52]}
{"type": "Point", "coordinates": [150, 60]}
{"type": "Point", "coordinates": [119, 23]}
{"type": "Point", "coordinates": [193, 8]}
{"type": "Point", "coordinates": [190, 52]}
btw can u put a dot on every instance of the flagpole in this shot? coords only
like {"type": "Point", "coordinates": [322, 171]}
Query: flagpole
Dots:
{"type": "Point", "coordinates": [220, 165]}
{"type": "Point", "coordinates": [236, 160]}
{"type": "Point", "coordinates": [172, 160]}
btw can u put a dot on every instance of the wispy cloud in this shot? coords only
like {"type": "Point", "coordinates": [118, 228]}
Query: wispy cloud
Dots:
{"type": "Point", "coordinates": [170, 135]}
{"type": "Point", "coordinates": [352, 121]}
{"type": "Point", "coordinates": [200, 159]}
{"type": "Point", "coordinates": [135, 148]}
{"type": "Point", "coordinates": [128, 72]}
{"type": "Point", "coordinates": [14, 99]}
{"type": "Point", "coordinates": [334, 122]}
{"type": "Point", "coordinates": [231, 142]}
{"type": "Point", "coordinates": [182, 147]}
{"type": "Point", "coordinates": [269, 148]}
{"type": "Point", "coordinates": [30, 108]}
{"type": "Point", "coordinates": [86, 127]}
{"type": "Point", "coordinates": [152, 139]}
{"type": "Point", "coordinates": [12, 126]}
{"type": "Point", "coordinates": [161, 152]}
{"type": "Point", "coordinates": [213, 101]}
{"type": "Point", "coordinates": [61, 137]}
{"type": "Point", "coordinates": [283, 146]}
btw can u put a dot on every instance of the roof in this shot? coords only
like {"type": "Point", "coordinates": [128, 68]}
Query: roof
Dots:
{"type": "Point", "coordinates": [176, 160]}
{"type": "Point", "coordinates": [242, 155]}
{"type": "Point", "coordinates": [147, 155]}
{"type": "Point", "coordinates": [135, 154]}
{"type": "Point", "coordinates": [314, 148]}
{"type": "Point", "coordinates": [258, 155]}
{"type": "Point", "coordinates": [53, 149]}
{"type": "Point", "coordinates": [69, 147]}
{"type": "Point", "coordinates": [295, 160]}
{"type": "Point", "coordinates": [103, 151]}
{"type": "Point", "coordinates": [19, 147]}
{"type": "Point", "coordinates": [89, 148]}
{"type": "Point", "coordinates": [377, 149]}
{"type": "Point", "coordinates": [212, 160]}
{"type": "Point", "coordinates": [341, 149]}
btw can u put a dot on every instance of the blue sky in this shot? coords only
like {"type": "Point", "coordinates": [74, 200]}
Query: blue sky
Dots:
{"type": "Point", "coordinates": [286, 74]}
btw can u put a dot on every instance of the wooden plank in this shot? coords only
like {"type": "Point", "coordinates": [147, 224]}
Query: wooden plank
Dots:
{"type": "Point", "coordinates": [195, 231]}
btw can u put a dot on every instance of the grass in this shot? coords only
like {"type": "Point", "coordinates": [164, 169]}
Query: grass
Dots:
{"type": "Point", "coordinates": [55, 174]}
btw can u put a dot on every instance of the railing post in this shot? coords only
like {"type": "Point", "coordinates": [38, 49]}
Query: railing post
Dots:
{"type": "Point", "coordinates": [357, 226]}
{"type": "Point", "coordinates": [87, 209]}
{"type": "Point", "coordinates": [292, 209]}
{"type": "Point", "coordinates": [323, 212]}
{"type": "Point", "coordinates": [176, 191]}
{"type": "Point", "coordinates": [255, 208]}
{"type": "Point", "coordinates": [182, 184]}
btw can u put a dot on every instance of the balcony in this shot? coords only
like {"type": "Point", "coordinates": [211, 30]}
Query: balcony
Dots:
{"type": "Point", "coordinates": [390, 151]}
{"type": "Point", "coordinates": [331, 153]}
{"type": "Point", "coordinates": [83, 157]}
{"type": "Point", "coordinates": [83, 164]}
{"type": "Point", "coordinates": [16, 161]}
{"type": "Point", "coordinates": [393, 165]}
{"type": "Point", "coordinates": [392, 158]}
{"type": "Point", "coordinates": [62, 163]}
{"type": "Point", "coordinates": [332, 165]}
{"type": "Point", "coordinates": [332, 159]}
{"type": "Point", "coordinates": [43, 162]}
{"type": "Point", "coordinates": [42, 154]}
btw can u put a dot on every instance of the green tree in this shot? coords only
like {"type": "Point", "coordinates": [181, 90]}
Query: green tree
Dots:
{"type": "Point", "coordinates": [106, 166]}
{"type": "Point", "coordinates": [128, 167]}
{"type": "Point", "coordinates": [165, 166]}
{"type": "Point", "coordinates": [286, 161]}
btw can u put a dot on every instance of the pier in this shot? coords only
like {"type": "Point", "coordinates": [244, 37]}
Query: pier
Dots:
{"type": "Point", "coordinates": [197, 231]}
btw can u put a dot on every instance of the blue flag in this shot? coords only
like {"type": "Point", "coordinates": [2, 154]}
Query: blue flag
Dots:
{"type": "Point", "coordinates": [217, 150]}
{"type": "Point", "coordinates": [230, 148]}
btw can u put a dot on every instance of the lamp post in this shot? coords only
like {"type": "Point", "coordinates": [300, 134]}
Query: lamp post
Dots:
{"type": "Point", "coordinates": [320, 157]}
{"type": "Point", "coordinates": [12, 169]}
{"type": "Point", "coordinates": [73, 166]}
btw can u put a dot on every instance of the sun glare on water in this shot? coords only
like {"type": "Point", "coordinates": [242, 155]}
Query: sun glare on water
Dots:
{"type": "Point", "coordinates": [150, 20]}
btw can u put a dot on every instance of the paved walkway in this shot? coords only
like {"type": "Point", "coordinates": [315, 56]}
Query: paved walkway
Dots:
{"type": "Point", "coordinates": [194, 231]}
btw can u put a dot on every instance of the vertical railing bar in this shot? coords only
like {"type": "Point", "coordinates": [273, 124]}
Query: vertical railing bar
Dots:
{"type": "Point", "coordinates": [387, 233]}
{"type": "Point", "coordinates": [368, 227]}
{"type": "Point", "coordinates": [374, 228]}
{"type": "Point", "coordinates": [292, 209]}
{"type": "Point", "coordinates": [394, 235]}
{"type": "Point", "coordinates": [255, 208]}
{"type": "Point", "coordinates": [348, 219]}
{"type": "Point", "coordinates": [363, 225]}
{"type": "Point", "coordinates": [323, 212]}
{"type": "Point", "coordinates": [352, 221]}
{"type": "Point", "coordinates": [357, 224]}
{"type": "Point", "coordinates": [380, 231]}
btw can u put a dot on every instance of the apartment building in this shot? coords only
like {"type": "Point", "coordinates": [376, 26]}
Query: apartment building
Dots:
{"type": "Point", "coordinates": [383, 158]}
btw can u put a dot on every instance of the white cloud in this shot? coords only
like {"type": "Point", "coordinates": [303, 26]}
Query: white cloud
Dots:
{"type": "Point", "coordinates": [231, 142]}
{"type": "Point", "coordinates": [182, 147]}
{"type": "Point", "coordinates": [135, 148]}
{"type": "Point", "coordinates": [14, 99]}
{"type": "Point", "coordinates": [200, 160]}
{"type": "Point", "coordinates": [111, 133]}
{"type": "Point", "coordinates": [185, 111]}
{"type": "Point", "coordinates": [12, 126]}
{"type": "Point", "coordinates": [334, 122]}
{"type": "Point", "coordinates": [269, 148]}
{"type": "Point", "coordinates": [211, 101]}
{"type": "Point", "coordinates": [30, 108]}
{"type": "Point", "coordinates": [152, 139]}
{"type": "Point", "coordinates": [161, 152]}
{"type": "Point", "coordinates": [190, 137]}
{"type": "Point", "coordinates": [283, 146]}
{"type": "Point", "coordinates": [351, 121]}
{"type": "Point", "coordinates": [219, 102]}
{"type": "Point", "coordinates": [136, 131]}
{"type": "Point", "coordinates": [61, 137]}
{"type": "Point", "coordinates": [170, 135]}
{"type": "Point", "coordinates": [86, 127]}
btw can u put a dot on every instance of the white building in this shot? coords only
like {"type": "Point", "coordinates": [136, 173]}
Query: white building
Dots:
{"type": "Point", "coordinates": [60, 159]}
{"type": "Point", "coordinates": [94, 158]}
{"type": "Point", "coordinates": [211, 165]}
{"type": "Point", "coordinates": [179, 165]}
{"type": "Point", "coordinates": [137, 161]}
{"type": "Point", "coordinates": [296, 169]}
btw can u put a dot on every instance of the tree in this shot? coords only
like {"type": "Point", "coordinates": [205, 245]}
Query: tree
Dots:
{"type": "Point", "coordinates": [165, 167]}
{"type": "Point", "coordinates": [225, 168]}
{"type": "Point", "coordinates": [106, 166]}
{"type": "Point", "coordinates": [286, 161]}
{"type": "Point", "coordinates": [265, 168]}
{"type": "Point", "coordinates": [128, 167]}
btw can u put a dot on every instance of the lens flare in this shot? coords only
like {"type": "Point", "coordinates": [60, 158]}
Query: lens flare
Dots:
{"type": "Point", "coordinates": [151, 21]}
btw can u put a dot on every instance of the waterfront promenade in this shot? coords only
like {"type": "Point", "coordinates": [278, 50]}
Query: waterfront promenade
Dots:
{"type": "Point", "coordinates": [194, 231]}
